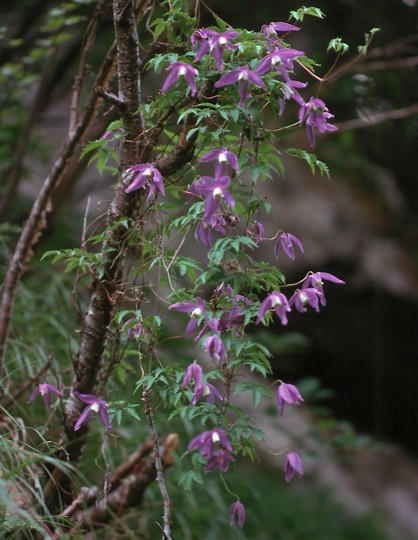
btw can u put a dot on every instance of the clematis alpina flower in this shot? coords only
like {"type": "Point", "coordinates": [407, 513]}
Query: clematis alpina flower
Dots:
{"type": "Point", "coordinates": [147, 175]}
{"type": "Point", "coordinates": [316, 115]}
{"type": "Point", "coordinates": [215, 446]}
{"type": "Point", "coordinates": [315, 280]}
{"type": "Point", "coordinates": [286, 241]}
{"type": "Point", "coordinates": [215, 192]}
{"type": "Point", "coordinates": [216, 349]}
{"type": "Point", "coordinates": [196, 309]}
{"type": "Point", "coordinates": [257, 232]}
{"type": "Point", "coordinates": [177, 70]}
{"type": "Point", "coordinates": [278, 59]}
{"type": "Point", "coordinates": [219, 42]}
{"type": "Point", "coordinates": [193, 373]}
{"type": "Point", "coordinates": [288, 393]}
{"type": "Point", "coordinates": [133, 327]}
{"type": "Point", "coordinates": [289, 92]}
{"type": "Point", "coordinates": [95, 406]}
{"type": "Point", "coordinates": [222, 157]}
{"type": "Point", "coordinates": [237, 513]}
{"type": "Point", "coordinates": [201, 40]}
{"type": "Point", "coordinates": [211, 393]}
{"type": "Point", "coordinates": [208, 441]}
{"type": "Point", "coordinates": [45, 390]}
{"type": "Point", "coordinates": [276, 301]}
{"type": "Point", "coordinates": [216, 222]}
{"type": "Point", "coordinates": [270, 30]}
{"type": "Point", "coordinates": [243, 76]}
{"type": "Point", "coordinates": [304, 297]}
{"type": "Point", "coordinates": [292, 464]}
{"type": "Point", "coordinates": [220, 459]}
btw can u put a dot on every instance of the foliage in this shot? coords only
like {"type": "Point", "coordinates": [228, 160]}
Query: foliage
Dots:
{"type": "Point", "coordinates": [188, 166]}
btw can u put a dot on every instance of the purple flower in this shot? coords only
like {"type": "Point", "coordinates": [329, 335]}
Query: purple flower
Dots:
{"type": "Point", "coordinates": [286, 241]}
{"type": "Point", "coordinates": [288, 393]}
{"type": "Point", "coordinates": [46, 390]}
{"type": "Point", "coordinates": [211, 393]}
{"type": "Point", "coordinates": [222, 157]}
{"type": "Point", "coordinates": [147, 174]}
{"type": "Point", "coordinates": [219, 459]}
{"type": "Point", "coordinates": [214, 190]}
{"type": "Point", "coordinates": [317, 116]}
{"type": "Point", "coordinates": [196, 309]}
{"type": "Point", "coordinates": [243, 76]}
{"type": "Point", "coordinates": [200, 39]}
{"type": "Point", "coordinates": [257, 232]}
{"type": "Point", "coordinates": [270, 30]}
{"type": "Point", "coordinates": [292, 464]}
{"type": "Point", "coordinates": [315, 280]}
{"type": "Point", "coordinates": [193, 373]}
{"type": "Point", "coordinates": [177, 70]}
{"type": "Point", "coordinates": [133, 328]}
{"type": "Point", "coordinates": [218, 43]}
{"type": "Point", "coordinates": [303, 297]}
{"type": "Point", "coordinates": [237, 513]}
{"type": "Point", "coordinates": [95, 406]}
{"type": "Point", "coordinates": [289, 92]}
{"type": "Point", "coordinates": [279, 59]}
{"type": "Point", "coordinates": [216, 222]}
{"type": "Point", "coordinates": [215, 446]}
{"type": "Point", "coordinates": [277, 301]}
{"type": "Point", "coordinates": [208, 441]}
{"type": "Point", "coordinates": [215, 347]}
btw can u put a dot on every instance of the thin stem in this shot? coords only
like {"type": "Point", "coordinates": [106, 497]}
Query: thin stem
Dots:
{"type": "Point", "coordinates": [166, 530]}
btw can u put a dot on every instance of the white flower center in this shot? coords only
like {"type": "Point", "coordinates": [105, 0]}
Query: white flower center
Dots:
{"type": "Point", "coordinates": [147, 172]}
{"type": "Point", "coordinates": [217, 193]}
{"type": "Point", "coordinates": [275, 301]}
{"type": "Point", "coordinates": [243, 76]}
{"type": "Point", "coordinates": [303, 298]}
{"type": "Point", "coordinates": [215, 437]}
{"type": "Point", "coordinates": [317, 282]}
{"type": "Point", "coordinates": [95, 407]}
{"type": "Point", "coordinates": [222, 158]}
{"type": "Point", "coordinates": [43, 389]}
{"type": "Point", "coordinates": [182, 71]}
{"type": "Point", "coordinates": [197, 312]}
{"type": "Point", "coordinates": [222, 42]}
{"type": "Point", "coordinates": [276, 60]}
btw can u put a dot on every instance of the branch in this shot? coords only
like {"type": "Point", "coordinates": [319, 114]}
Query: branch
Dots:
{"type": "Point", "coordinates": [158, 466]}
{"type": "Point", "coordinates": [377, 118]}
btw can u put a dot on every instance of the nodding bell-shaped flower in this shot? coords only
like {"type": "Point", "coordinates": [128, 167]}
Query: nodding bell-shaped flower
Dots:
{"type": "Point", "coordinates": [288, 393]}
{"type": "Point", "coordinates": [237, 514]}
{"type": "Point", "coordinates": [304, 297]}
{"type": "Point", "coordinates": [45, 390]}
{"type": "Point", "coordinates": [316, 115]}
{"type": "Point", "coordinates": [315, 280]}
{"type": "Point", "coordinates": [276, 301]}
{"type": "Point", "coordinates": [243, 76]}
{"type": "Point", "coordinates": [292, 464]}
{"type": "Point", "coordinates": [95, 406]}
{"type": "Point", "coordinates": [147, 175]}
{"type": "Point", "coordinates": [177, 70]}
{"type": "Point", "coordinates": [286, 241]}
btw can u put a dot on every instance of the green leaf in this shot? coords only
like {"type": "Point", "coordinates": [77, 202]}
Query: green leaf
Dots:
{"type": "Point", "coordinates": [300, 13]}
{"type": "Point", "coordinates": [337, 45]}
{"type": "Point", "coordinates": [311, 160]}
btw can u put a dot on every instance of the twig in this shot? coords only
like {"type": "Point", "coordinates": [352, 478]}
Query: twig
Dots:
{"type": "Point", "coordinates": [377, 118]}
{"type": "Point", "coordinates": [158, 466]}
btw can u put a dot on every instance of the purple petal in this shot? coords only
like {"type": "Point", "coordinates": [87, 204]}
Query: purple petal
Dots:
{"type": "Point", "coordinates": [85, 416]}
{"type": "Point", "coordinates": [104, 417]}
